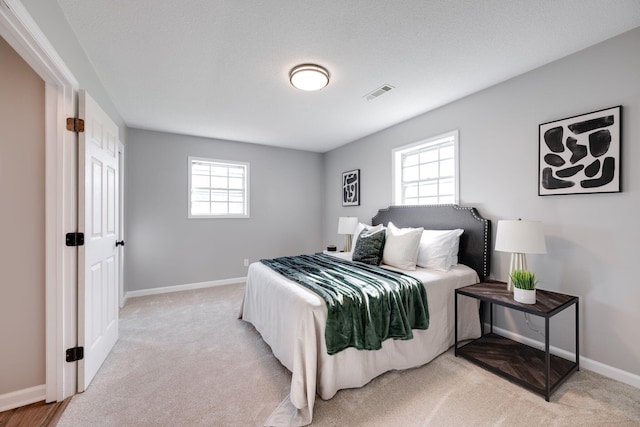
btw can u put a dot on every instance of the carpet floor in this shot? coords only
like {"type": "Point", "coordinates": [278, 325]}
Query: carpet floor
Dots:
{"type": "Point", "coordinates": [184, 359]}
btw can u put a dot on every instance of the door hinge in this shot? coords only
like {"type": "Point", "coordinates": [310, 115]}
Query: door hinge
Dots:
{"type": "Point", "coordinates": [74, 354]}
{"type": "Point", "coordinates": [75, 239]}
{"type": "Point", "coordinates": [75, 125]}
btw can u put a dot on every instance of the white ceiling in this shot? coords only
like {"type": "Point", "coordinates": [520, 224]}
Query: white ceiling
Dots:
{"type": "Point", "coordinates": [219, 68]}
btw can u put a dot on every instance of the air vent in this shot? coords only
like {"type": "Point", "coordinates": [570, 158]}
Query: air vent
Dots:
{"type": "Point", "coordinates": [378, 92]}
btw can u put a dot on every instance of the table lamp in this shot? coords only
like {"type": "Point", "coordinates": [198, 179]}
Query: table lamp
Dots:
{"type": "Point", "coordinates": [347, 225]}
{"type": "Point", "coordinates": [520, 238]}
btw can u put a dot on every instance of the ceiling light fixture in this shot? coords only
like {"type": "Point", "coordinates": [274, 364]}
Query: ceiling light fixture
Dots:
{"type": "Point", "coordinates": [309, 77]}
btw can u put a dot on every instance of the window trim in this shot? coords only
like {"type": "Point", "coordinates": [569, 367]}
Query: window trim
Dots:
{"type": "Point", "coordinates": [396, 166]}
{"type": "Point", "coordinates": [247, 193]}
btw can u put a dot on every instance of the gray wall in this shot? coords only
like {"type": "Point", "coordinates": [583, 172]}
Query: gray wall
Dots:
{"type": "Point", "coordinates": [165, 248]}
{"type": "Point", "coordinates": [591, 239]}
{"type": "Point", "coordinates": [22, 264]}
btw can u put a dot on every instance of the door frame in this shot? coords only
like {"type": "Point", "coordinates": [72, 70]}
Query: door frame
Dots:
{"type": "Point", "coordinates": [121, 223]}
{"type": "Point", "coordinates": [22, 33]}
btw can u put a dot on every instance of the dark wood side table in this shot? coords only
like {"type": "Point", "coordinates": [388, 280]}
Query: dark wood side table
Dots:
{"type": "Point", "coordinates": [536, 370]}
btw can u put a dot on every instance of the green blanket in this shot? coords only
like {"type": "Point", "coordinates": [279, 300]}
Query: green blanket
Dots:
{"type": "Point", "coordinates": [367, 304]}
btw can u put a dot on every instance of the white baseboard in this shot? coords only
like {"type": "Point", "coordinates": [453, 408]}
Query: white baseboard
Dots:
{"type": "Point", "coordinates": [585, 362]}
{"type": "Point", "coordinates": [23, 397]}
{"type": "Point", "coordinates": [179, 288]}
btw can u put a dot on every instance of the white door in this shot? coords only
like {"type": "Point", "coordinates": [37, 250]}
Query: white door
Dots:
{"type": "Point", "coordinates": [98, 217]}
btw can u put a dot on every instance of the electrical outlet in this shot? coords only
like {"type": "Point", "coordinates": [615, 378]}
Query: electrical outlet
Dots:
{"type": "Point", "coordinates": [246, 262]}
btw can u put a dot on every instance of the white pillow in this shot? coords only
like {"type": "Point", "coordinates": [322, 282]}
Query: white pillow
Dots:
{"type": "Point", "coordinates": [401, 247]}
{"type": "Point", "coordinates": [359, 229]}
{"type": "Point", "coordinates": [439, 249]}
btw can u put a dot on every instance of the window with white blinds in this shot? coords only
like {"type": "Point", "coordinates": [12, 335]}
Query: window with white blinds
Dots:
{"type": "Point", "coordinates": [426, 172]}
{"type": "Point", "coordinates": [218, 188]}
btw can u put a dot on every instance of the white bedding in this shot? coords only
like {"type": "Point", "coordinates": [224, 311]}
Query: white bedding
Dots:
{"type": "Point", "coordinates": [291, 320]}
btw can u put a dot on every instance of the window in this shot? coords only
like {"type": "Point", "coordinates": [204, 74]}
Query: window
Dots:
{"type": "Point", "coordinates": [426, 172]}
{"type": "Point", "coordinates": [218, 189]}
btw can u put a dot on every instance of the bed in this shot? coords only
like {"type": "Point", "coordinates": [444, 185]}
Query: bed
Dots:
{"type": "Point", "coordinates": [291, 318]}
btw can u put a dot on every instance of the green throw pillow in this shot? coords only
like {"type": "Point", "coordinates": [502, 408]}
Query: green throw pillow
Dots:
{"type": "Point", "coordinates": [369, 247]}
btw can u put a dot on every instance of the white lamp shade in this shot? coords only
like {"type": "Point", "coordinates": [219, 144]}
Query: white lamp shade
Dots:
{"type": "Point", "coordinates": [517, 236]}
{"type": "Point", "coordinates": [347, 224]}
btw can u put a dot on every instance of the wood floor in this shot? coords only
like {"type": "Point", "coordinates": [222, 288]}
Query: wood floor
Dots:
{"type": "Point", "coordinates": [38, 414]}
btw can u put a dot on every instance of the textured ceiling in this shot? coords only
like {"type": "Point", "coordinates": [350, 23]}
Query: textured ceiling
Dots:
{"type": "Point", "coordinates": [219, 68]}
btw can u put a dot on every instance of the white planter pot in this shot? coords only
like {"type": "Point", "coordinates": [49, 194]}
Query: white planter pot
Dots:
{"type": "Point", "coordinates": [524, 296]}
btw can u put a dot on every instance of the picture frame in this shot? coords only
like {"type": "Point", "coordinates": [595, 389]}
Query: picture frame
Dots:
{"type": "Point", "coordinates": [581, 154]}
{"type": "Point", "coordinates": [351, 188]}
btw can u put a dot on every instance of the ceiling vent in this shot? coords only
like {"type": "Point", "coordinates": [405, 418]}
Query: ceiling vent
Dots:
{"type": "Point", "coordinates": [378, 92]}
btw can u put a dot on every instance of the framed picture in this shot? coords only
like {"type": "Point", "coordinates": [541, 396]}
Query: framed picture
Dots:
{"type": "Point", "coordinates": [580, 154]}
{"type": "Point", "coordinates": [351, 188]}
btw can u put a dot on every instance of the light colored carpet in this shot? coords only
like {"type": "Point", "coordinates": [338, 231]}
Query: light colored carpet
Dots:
{"type": "Point", "coordinates": [184, 359]}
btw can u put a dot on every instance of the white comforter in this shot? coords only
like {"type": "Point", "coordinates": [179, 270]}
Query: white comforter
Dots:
{"type": "Point", "coordinates": [291, 319]}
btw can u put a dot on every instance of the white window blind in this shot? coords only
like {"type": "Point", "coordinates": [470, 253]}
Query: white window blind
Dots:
{"type": "Point", "coordinates": [426, 172]}
{"type": "Point", "coordinates": [218, 189]}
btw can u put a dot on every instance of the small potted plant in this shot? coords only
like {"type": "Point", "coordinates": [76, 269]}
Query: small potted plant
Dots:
{"type": "Point", "coordinates": [524, 286]}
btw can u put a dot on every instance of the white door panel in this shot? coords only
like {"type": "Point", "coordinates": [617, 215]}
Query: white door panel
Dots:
{"type": "Point", "coordinates": [98, 218]}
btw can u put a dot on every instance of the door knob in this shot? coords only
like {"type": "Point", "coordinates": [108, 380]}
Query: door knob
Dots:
{"type": "Point", "coordinates": [119, 243]}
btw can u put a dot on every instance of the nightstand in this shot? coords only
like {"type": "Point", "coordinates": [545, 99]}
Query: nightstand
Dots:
{"type": "Point", "coordinates": [326, 252]}
{"type": "Point", "coordinates": [536, 370]}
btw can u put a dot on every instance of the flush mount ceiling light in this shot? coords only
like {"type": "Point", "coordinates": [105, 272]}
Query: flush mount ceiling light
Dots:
{"type": "Point", "coordinates": [309, 77]}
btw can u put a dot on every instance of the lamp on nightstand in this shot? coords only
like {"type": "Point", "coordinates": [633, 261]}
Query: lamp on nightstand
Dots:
{"type": "Point", "coordinates": [520, 238]}
{"type": "Point", "coordinates": [347, 225]}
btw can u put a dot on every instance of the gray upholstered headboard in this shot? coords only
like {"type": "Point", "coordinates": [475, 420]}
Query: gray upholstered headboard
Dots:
{"type": "Point", "coordinates": [474, 242]}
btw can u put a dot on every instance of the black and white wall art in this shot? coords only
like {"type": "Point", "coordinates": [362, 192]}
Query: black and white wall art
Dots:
{"type": "Point", "coordinates": [581, 154]}
{"type": "Point", "coordinates": [351, 188]}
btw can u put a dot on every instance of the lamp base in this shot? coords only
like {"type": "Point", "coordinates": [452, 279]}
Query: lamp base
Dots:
{"type": "Point", "coordinates": [518, 262]}
{"type": "Point", "coordinates": [347, 243]}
